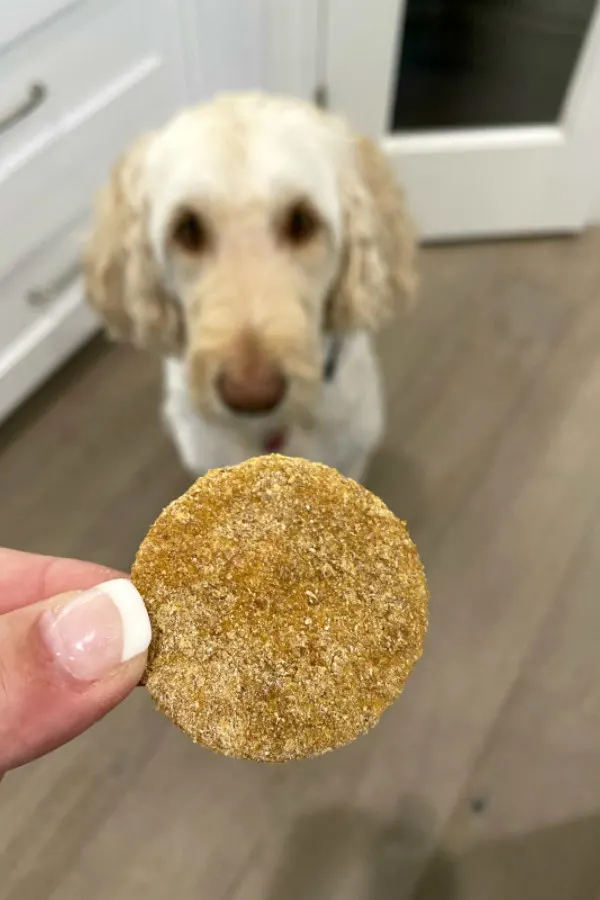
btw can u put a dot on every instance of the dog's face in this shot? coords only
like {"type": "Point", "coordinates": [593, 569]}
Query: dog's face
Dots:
{"type": "Point", "coordinates": [241, 234]}
{"type": "Point", "coordinates": [245, 221]}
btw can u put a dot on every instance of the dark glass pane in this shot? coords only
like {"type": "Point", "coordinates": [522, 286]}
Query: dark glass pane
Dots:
{"type": "Point", "coordinates": [467, 63]}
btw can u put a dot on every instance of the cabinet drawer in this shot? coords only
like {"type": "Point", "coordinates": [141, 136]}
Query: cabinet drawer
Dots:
{"type": "Point", "coordinates": [17, 17]}
{"type": "Point", "coordinates": [54, 72]}
{"type": "Point", "coordinates": [33, 287]}
{"type": "Point", "coordinates": [50, 181]}
{"type": "Point", "coordinates": [43, 317]}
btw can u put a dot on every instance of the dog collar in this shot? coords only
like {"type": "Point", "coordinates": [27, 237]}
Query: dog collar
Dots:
{"type": "Point", "coordinates": [332, 357]}
{"type": "Point", "coordinates": [275, 441]}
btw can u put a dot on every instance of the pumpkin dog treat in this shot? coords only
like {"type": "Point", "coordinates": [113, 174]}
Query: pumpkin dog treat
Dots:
{"type": "Point", "coordinates": [288, 607]}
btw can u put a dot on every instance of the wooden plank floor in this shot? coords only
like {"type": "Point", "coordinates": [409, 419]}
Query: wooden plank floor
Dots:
{"type": "Point", "coordinates": [483, 782]}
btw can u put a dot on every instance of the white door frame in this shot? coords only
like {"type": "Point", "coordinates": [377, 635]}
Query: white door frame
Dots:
{"type": "Point", "coordinates": [366, 90]}
{"type": "Point", "coordinates": [464, 183]}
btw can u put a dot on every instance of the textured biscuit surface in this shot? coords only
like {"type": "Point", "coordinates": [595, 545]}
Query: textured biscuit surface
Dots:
{"type": "Point", "coordinates": [288, 607]}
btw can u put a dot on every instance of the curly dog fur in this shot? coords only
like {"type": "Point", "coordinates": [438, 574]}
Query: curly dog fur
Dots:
{"type": "Point", "coordinates": [239, 242]}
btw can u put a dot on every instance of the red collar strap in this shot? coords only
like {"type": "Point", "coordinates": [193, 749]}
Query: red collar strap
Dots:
{"type": "Point", "coordinates": [275, 442]}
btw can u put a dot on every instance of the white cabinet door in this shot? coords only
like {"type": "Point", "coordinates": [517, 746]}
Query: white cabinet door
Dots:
{"type": "Point", "coordinates": [488, 109]}
{"type": "Point", "coordinates": [17, 18]}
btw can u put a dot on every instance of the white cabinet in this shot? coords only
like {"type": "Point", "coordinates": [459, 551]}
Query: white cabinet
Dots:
{"type": "Point", "coordinates": [78, 81]}
{"type": "Point", "coordinates": [18, 18]}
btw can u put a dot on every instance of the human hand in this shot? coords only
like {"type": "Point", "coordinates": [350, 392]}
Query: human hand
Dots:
{"type": "Point", "coordinates": [73, 644]}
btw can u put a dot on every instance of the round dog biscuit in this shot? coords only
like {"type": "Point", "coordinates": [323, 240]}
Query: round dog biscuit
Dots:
{"type": "Point", "coordinates": [288, 607]}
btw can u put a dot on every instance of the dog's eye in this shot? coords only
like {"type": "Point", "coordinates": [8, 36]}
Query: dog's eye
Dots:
{"type": "Point", "coordinates": [300, 224]}
{"type": "Point", "coordinates": [190, 232]}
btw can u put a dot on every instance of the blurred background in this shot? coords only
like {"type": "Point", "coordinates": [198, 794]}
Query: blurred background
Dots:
{"type": "Point", "coordinates": [483, 781]}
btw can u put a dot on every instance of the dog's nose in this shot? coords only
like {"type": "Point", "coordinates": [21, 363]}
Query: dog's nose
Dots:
{"type": "Point", "coordinates": [254, 392]}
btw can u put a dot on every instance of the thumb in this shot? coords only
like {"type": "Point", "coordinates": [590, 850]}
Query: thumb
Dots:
{"type": "Point", "coordinates": [66, 662]}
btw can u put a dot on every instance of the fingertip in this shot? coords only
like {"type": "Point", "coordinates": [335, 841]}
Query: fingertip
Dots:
{"type": "Point", "coordinates": [95, 632]}
{"type": "Point", "coordinates": [135, 624]}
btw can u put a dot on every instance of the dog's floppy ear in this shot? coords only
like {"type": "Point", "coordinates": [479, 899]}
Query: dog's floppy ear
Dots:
{"type": "Point", "coordinates": [123, 280]}
{"type": "Point", "coordinates": [378, 267]}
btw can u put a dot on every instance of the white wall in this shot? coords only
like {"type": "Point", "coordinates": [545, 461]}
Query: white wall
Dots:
{"type": "Point", "coordinates": [226, 49]}
{"type": "Point", "coordinates": [234, 45]}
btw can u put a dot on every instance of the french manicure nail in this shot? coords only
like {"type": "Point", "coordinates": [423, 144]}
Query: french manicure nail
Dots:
{"type": "Point", "coordinates": [92, 634]}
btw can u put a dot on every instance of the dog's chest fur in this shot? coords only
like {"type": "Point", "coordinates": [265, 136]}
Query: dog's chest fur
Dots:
{"type": "Point", "coordinates": [348, 420]}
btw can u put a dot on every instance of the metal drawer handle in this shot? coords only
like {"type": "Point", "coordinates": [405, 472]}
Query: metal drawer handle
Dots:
{"type": "Point", "coordinates": [46, 295]}
{"type": "Point", "coordinates": [36, 95]}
